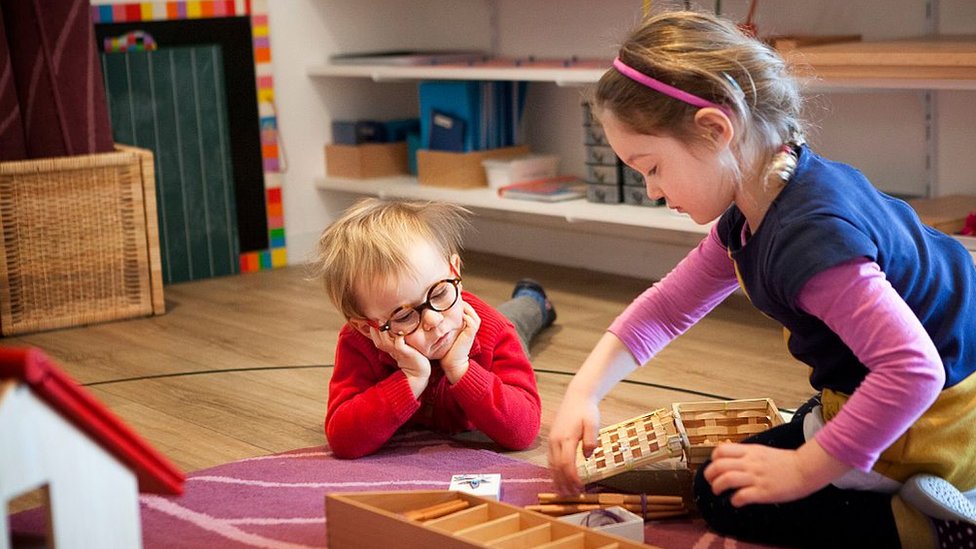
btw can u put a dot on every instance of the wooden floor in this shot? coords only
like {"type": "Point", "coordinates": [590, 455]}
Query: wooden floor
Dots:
{"type": "Point", "coordinates": [239, 366]}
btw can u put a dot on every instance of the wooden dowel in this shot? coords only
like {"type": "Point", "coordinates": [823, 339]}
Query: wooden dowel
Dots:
{"type": "Point", "coordinates": [559, 509]}
{"type": "Point", "coordinates": [570, 508]}
{"type": "Point", "coordinates": [610, 498]}
{"type": "Point", "coordinates": [665, 514]}
{"type": "Point", "coordinates": [437, 511]}
{"type": "Point", "coordinates": [650, 512]}
{"type": "Point", "coordinates": [647, 508]}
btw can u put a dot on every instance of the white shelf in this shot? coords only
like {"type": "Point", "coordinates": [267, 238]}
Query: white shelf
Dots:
{"type": "Point", "coordinates": [947, 63]}
{"type": "Point", "coordinates": [664, 224]}
{"type": "Point", "coordinates": [563, 76]}
{"type": "Point", "coordinates": [937, 62]}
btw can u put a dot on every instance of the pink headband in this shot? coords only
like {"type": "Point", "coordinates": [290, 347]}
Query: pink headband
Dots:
{"type": "Point", "coordinates": [661, 87]}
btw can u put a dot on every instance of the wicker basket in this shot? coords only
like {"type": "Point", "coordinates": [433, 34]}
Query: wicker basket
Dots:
{"type": "Point", "coordinates": [690, 430]}
{"type": "Point", "coordinates": [703, 425]}
{"type": "Point", "coordinates": [80, 241]}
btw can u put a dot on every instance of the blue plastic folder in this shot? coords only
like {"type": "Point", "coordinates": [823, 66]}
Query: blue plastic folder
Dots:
{"type": "Point", "coordinates": [459, 100]}
{"type": "Point", "coordinates": [490, 113]}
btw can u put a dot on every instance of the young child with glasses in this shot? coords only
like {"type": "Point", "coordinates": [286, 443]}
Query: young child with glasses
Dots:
{"type": "Point", "coordinates": [417, 350]}
{"type": "Point", "coordinates": [881, 308]}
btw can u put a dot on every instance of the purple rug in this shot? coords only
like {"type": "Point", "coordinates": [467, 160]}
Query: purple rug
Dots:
{"type": "Point", "coordinates": [278, 501]}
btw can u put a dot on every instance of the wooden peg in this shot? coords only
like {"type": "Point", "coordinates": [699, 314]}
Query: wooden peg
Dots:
{"type": "Point", "coordinates": [437, 511]}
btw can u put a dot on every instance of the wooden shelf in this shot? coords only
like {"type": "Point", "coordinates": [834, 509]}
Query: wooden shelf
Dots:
{"type": "Point", "coordinates": [666, 225]}
{"type": "Point", "coordinates": [942, 62]}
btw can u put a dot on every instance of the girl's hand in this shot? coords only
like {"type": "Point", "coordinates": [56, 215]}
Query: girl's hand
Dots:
{"type": "Point", "coordinates": [578, 419]}
{"type": "Point", "coordinates": [761, 474]}
{"type": "Point", "coordinates": [455, 362]}
{"type": "Point", "coordinates": [411, 362]}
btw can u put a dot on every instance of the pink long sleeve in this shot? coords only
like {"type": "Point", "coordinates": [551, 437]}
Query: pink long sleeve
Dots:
{"type": "Point", "coordinates": [906, 375]}
{"type": "Point", "coordinates": [664, 311]}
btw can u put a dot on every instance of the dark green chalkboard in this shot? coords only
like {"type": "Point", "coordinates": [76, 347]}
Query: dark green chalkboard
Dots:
{"type": "Point", "coordinates": [173, 102]}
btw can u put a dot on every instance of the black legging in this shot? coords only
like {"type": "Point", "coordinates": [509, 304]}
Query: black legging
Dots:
{"type": "Point", "coordinates": [830, 517]}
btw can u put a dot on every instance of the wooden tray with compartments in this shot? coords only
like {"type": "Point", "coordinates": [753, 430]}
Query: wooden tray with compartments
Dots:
{"type": "Point", "coordinates": [382, 519]}
{"type": "Point", "coordinates": [689, 430]}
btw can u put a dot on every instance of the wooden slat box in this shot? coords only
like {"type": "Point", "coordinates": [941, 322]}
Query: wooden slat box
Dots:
{"type": "Point", "coordinates": [376, 519]}
{"type": "Point", "coordinates": [703, 425]}
{"type": "Point", "coordinates": [623, 446]}
{"type": "Point", "coordinates": [690, 430]}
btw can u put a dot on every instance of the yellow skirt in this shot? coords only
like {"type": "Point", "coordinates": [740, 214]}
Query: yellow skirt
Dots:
{"type": "Point", "coordinates": [942, 442]}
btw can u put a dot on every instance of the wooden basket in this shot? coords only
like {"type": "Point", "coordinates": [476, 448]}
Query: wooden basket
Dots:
{"type": "Point", "coordinates": [80, 241]}
{"type": "Point", "coordinates": [690, 430]}
{"type": "Point", "coordinates": [623, 446]}
{"type": "Point", "coordinates": [705, 424]}
{"type": "Point", "coordinates": [381, 519]}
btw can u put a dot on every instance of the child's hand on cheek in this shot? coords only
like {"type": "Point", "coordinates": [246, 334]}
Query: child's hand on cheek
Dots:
{"type": "Point", "coordinates": [413, 364]}
{"type": "Point", "coordinates": [455, 362]}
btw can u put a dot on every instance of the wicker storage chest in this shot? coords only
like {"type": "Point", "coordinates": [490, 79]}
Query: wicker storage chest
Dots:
{"type": "Point", "coordinates": [80, 241]}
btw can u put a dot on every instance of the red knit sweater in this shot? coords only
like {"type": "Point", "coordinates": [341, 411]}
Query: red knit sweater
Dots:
{"type": "Point", "coordinates": [369, 397]}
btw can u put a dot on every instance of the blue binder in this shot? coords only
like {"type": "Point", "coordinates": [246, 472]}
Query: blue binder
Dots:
{"type": "Point", "coordinates": [490, 113]}
{"type": "Point", "coordinates": [460, 100]}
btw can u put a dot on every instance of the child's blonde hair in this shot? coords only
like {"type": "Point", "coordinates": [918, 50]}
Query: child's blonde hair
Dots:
{"type": "Point", "coordinates": [372, 240]}
{"type": "Point", "coordinates": [711, 58]}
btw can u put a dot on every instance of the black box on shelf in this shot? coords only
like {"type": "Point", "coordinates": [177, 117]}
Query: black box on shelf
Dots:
{"type": "Point", "coordinates": [604, 175]}
{"type": "Point", "coordinates": [604, 194]}
{"type": "Point", "coordinates": [356, 132]}
{"type": "Point", "coordinates": [638, 197]}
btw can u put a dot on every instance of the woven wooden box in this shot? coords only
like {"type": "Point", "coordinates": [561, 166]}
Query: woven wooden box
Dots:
{"type": "Point", "coordinates": [629, 444]}
{"type": "Point", "coordinates": [705, 424]}
{"type": "Point", "coordinates": [376, 519]}
{"type": "Point", "coordinates": [80, 241]}
{"type": "Point", "coordinates": [689, 430]}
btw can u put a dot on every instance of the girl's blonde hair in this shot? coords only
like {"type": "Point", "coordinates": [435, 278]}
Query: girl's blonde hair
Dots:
{"type": "Point", "coordinates": [373, 239]}
{"type": "Point", "coordinates": [709, 57]}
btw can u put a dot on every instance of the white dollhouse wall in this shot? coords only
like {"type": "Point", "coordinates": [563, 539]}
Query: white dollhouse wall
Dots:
{"type": "Point", "coordinates": [93, 499]}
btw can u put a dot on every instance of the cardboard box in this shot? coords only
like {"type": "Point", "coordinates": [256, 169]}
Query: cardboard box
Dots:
{"type": "Point", "coordinates": [663, 478]}
{"type": "Point", "coordinates": [366, 160]}
{"type": "Point", "coordinates": [945, 213]}
{"type": "Point", "coordinates": [627, 525]}
{"type": "Point", "coordinates": [461, 170]}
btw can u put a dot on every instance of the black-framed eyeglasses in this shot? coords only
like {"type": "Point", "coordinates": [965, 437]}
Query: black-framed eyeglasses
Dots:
{"type": "Point", "coordinates": [405, 320]}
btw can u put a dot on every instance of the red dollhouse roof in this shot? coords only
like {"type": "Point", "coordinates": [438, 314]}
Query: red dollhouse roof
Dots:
{"type": "Point", "coordinates": [154, 472]}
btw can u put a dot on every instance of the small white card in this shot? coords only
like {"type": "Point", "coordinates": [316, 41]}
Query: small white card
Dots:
{"type": "Point", "coordinates": [486, 485]}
